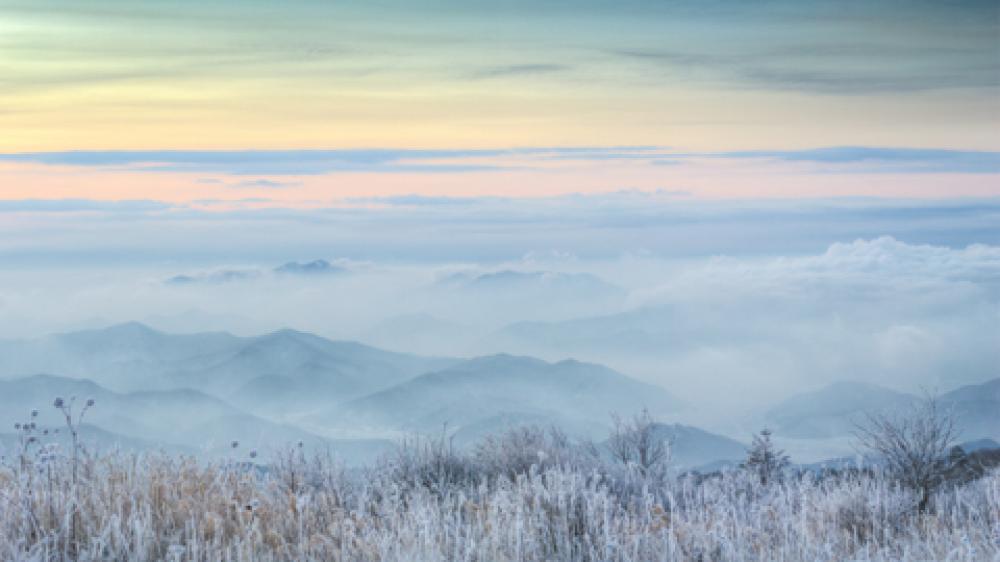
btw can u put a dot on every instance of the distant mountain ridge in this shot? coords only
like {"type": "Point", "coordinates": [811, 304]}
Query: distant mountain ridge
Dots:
{"type": "Point", "coordinates": [694, 448]}
{"type": "Point", "coordinates": [834, 410]}
{"type": "Point", "coordinates": [182, 419]}
{"type": "Point", "coordinates": [314, 268]}
{"type": "Point", "coordinates": [204, 389]}
{"type": "Point", "coordinates": [132, 356]}
{"type": "Point", "coordinates": [977, 409]}
{"type": "Point", "coordinates": [221, 384]}
{"type": "Point", "coordinates": [473, 391]}
{"type": "Point", "coordinates": [321, 370]}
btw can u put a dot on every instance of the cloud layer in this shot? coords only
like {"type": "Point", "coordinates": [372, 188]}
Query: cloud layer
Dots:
{"type": "Point", "coordinates": [445, 229]}
{"type": "Point", "coordinates": [910, 316]}
{"type": "Point", "coordinates": [311, 162]}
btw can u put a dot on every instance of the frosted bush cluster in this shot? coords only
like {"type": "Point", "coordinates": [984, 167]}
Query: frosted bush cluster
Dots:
{"type": "Point", "coordinates": [527, 495]}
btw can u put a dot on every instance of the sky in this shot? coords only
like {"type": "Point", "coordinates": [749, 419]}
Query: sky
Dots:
{"type": "Point", "coordinates": [309, 104]}
{"type": "Point", "coordinates": [778, 193]}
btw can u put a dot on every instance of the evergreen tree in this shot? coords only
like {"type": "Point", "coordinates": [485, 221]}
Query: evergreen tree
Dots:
{"type": "Point", "coordinates": [764, 459]}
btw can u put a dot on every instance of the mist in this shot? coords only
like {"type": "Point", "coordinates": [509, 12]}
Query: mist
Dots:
{"type": "Point", "coordinates": [729, 331]}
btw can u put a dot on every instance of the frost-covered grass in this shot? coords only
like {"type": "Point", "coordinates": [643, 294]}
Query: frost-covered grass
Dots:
{"type": "Point", "coordinates": [432, 503]}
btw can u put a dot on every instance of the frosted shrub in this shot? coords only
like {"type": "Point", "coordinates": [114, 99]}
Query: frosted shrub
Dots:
{"type": "Point", "coordinates": [870, 511]}
{"type": "Point", "coordinates": [518, 450]}
{"type": "Point", "coordinates": [431, 502]}
{"type": "Point", "coordinates": [426, 463]}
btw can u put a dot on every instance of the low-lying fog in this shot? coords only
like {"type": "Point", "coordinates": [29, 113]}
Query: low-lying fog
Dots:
{"type": "Point", "coordinates": [730, 331]}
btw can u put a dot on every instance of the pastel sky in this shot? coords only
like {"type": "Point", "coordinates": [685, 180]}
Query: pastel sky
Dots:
{"type": "Point", "coordinates": [310, 103]}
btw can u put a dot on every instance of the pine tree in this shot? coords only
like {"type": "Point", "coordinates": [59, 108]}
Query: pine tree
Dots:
{"type": "Point", "coordinates": [764, 459]}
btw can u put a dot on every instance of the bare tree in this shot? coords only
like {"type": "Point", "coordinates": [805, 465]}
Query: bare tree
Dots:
{"type": "Point", "coordinates": [915, 446]}
{"type": "Point", "coordinates": [618, 442]}
{"type": "Point", "coordinates": [637, 442]}
{"type": "Point", "coordinates": [516, 450]}
{"type": "Point", "coordinates": [765, 459]}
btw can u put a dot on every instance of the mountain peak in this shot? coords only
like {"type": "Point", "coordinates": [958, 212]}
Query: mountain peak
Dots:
{"type": "Point", "coordinates": [131, 327]}
{"type": "Point", "coordinates": [834, 409]}
{"type": "Point", "coordinates": [986, 391]}
{"type": "Point", "coordinates": [503, 360]}
{"type": "Point", "coordinates": [851, 393]}
{"type": "Point", "coordinates": [315, 267]}
{"type": "Point", "coordinates": [299, 337]}
{"type": "Point", "coordinates": [124, 330]}
{"type": "Point", "coordinates": [291, 333]}
{"type": "Point", "coordinates": [288, 337]}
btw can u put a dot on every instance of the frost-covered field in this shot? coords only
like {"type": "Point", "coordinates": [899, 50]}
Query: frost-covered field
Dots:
{"type": "Point", "coordinates": [555, 502]}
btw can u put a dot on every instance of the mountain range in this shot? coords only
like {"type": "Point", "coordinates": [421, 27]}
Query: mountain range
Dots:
{"type": "Point", "coordinates": [266, 372]}
{"type": "Point", "coordinates": [692, 448]}
{"type": "Point", "coordinates": [201, 391]}
{"type": "Point", "coordinates": [578, 396]}
{"type": "Point", "coordinates": [313, 268]}
{"type": "Point", "coordinates": [173, 420]}
{"type": "Point", "coordinates": [198, 392]}
{"type": "Point", "coordinates": [835, 410]}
